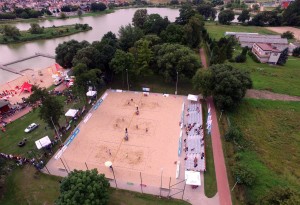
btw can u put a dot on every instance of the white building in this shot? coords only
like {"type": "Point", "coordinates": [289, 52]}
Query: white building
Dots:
{"type": "Point", "coordinates": [266, 53]}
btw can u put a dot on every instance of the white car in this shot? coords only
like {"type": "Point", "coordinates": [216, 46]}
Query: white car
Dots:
{"type": "Point", "coordinates": [31, 127]}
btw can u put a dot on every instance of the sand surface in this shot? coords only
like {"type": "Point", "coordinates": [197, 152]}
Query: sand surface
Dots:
{"type": "Point", "coordinates": [151, 152]}
{"type": "Point", "coordinates": [283, 29]}
{"type": "Point", "coordinates": [42, 78]}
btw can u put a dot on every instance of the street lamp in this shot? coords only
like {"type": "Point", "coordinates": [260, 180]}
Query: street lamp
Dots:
{"type": "Point", "coordinates": [161, 173]}
{"type": "Point", "coordinates": [127, 79]}
{"type": "Point", "coordinates": [176, 83]}
{"type": "Point", "coordinates": [109, 165]}
{"type": "Point", "coordinates": [56, 130]}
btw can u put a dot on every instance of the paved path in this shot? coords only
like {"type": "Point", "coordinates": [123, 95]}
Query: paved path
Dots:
{"type": "Point", "coordinates": [264, 94]}
{"type": "Point", "coordinates": [18, 114]}
{"type": "Point", "coordinates": [221, 173]}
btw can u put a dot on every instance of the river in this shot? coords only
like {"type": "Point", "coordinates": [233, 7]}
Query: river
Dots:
{"type": "Point", "coordinates": [101, 24]}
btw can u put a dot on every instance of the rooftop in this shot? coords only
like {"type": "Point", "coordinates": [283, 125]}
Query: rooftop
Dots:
{"type": "Point", "coordinates": [267, 47]}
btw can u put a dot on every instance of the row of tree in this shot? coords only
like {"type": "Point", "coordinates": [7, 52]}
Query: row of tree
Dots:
{"type": "Point", "coordinates": [277, 17]}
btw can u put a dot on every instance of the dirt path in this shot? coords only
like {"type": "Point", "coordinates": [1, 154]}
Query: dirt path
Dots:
{"type": "Point", "coordinates": [264, 94]}
{"type": "Point", "coordinates": [203, 58]}
{"type": "Point", "coordinates": [219, 161]}
{"type": "Point", "coordinates": [283, 29]}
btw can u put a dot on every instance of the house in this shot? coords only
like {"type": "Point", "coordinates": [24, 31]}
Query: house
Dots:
{"type": "Point", "coordinates": [274, 40]}
{"type": "Point", "coordinates": [285, 3]}
{"type": "Point", "coordinates": [266, 53]}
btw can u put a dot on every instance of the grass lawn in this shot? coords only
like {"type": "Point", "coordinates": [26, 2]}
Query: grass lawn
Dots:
{"type": "Point", "coordinates": [217, 30]}
{"type": "Point", "coordinates": [25, 186]}
{"type": "Point", "coordinates": [15, 131]}
{"type": "Point", "coordinates": [278, 79]}
{"type": "Point", "coordinates": [272, 132]}
{"type": "Point", "coordinates": [49, 32]}
{"type": "Point", "coordinates": [210, 182]}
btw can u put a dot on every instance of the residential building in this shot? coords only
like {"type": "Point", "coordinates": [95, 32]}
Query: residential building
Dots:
{"type": "Point", "coordinates": [266, 53]}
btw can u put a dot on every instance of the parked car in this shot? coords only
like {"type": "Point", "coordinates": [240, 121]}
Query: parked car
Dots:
{"type": "Point", "coordinates": [58, 81]}
{"type": "Point", "coordinates": [31, 127]}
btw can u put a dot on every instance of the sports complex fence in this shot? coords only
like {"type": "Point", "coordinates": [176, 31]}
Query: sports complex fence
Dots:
{"type": "Point", "coordinates": [134, 180]}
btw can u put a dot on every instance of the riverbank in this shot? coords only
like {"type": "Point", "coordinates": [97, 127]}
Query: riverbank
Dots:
{"type": "Point", "coordinates": [48, 33]}
{"type": "Point", "coordinates": [44, 18]}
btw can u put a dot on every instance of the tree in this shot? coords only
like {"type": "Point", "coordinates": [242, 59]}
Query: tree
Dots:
{"type": "Point", "coordinates": [207, 11]}
{"type": "Point", "coordinates": [174, 33]}
{"type": "Point", "coordinates": [288, 35]}
{"type": "Point", "coordinates": [62, 15]}
{"type": "Point", "coordinates": [84, 187]}
{"type": "Point", "coordinates": [155, 24]}
{"type": "Point", "coordinates": [291, 15]}
{"type": "Point", "coordinates": [244, 175]}
{"type": "Point", "coordinates": [226, 16]}
{"type": "Point", "coordinates": [225, 83]}
{"type": "Point", "coordinates": [283, 57]}
{"type": "Point", "coordinates": [266, 18]}
{"type": "Point", "coordinates": [296, 52]}
{"type": "Point", "coordinates": [143, 56]}
{"type": "Point", "coordinates": [51, 110]}
{"type": "Point", "coordinates": [66, 51]}
{"type": "Point", "coordinates": [85, 77]}
{"type": "Point", "coordinates": [35, 28]}
{"type": "Point", "coordinates": [193, 31]}
{"type": "Point", "coordinates": [79, 12]}
{"type": "Point", "coordinates": [11, 31]}
{"type": "Point", "coordinates": [244, 16]}
{"type": "Point", "coordinates": [88, 56]}
{"type": "Point", "coordinates": [202, 82]}
{"type": "Point", "coordinates": [128, 35]}
{"type": "Point", "coordinates": [255, 7]}
{"type": "Point", "coordinates": [185, 13]}
{"type": "Point", "coordinates": [139, 18]}
{"type": "Point", "coordinates": [280, 196]}
{"type": "Point", "coordinates": [173, 58]}
{"type": "Point", "coordinates": [121, 62]}
{"type": "Point", "coordinates": [98, 6]}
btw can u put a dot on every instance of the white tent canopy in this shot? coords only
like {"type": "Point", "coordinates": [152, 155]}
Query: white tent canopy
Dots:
{"type": "Point", "coordinates": [71, 113]}
{"type": "Point", "coordinates": [192, 97]}
{"type": "Point", "coordinates": [193, 178]}
{"type": "Point", "coordinates": [91, 93]}
{"type": "Point", "coordinates": [43, 142]}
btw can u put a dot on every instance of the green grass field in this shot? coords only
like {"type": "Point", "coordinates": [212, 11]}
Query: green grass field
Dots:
{"type": "Point", "coordinates": [26, 186]}
{"type": "Point", "coordinates": [15, 131]}
{"type": "Point", "coordinates": [217, 31]}
{"type": "Point", "coordinates": [50, 32]}
{"type": "Point", "coordinates": [278, 79]}
{"type": "Point", "coordinates": [272, 132]}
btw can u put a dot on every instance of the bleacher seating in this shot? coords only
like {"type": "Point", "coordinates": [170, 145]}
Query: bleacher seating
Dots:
{"type": "Point", "coordinates": [194, 138]}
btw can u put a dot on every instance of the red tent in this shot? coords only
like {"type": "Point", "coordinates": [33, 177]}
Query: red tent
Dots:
{"type": "Point", "coordinates": [26, 86]}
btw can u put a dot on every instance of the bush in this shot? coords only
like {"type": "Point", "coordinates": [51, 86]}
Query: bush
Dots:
{"type": "Point", "coordinates": [233, 134]}
{"type": "Point", "coordinates": [240, 58]}
{"type": "Point", "coordinates": [244, 175]}
{"type": "Point", "coordinates": [288, 35]}
{"type": "Point", "coordinates": [296, 52]}
{"type": "Point", "coordinates": [254, 58]}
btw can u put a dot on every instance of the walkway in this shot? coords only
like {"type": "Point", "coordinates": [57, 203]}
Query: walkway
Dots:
{"type": "Point", "coordinates": [264, 94]}
{"type": "Point", "coordinates": [221, 173]}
